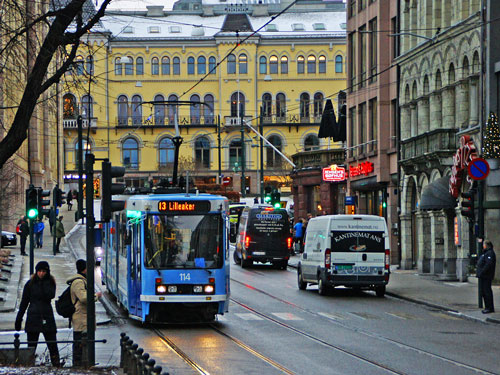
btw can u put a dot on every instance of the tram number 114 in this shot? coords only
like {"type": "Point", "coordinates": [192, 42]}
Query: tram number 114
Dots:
{"type": "Point", "coordinates": [185, 276]}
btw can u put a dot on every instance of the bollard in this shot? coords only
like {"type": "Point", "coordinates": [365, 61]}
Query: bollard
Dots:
{"type": "Point", "coordinates": [157, 370]}
{"type": "Point", "coordinates": [138, 364]}
{"type": "Point", "coordinates": [17, 344]}
{"type": "Point", "coordinates": [144, 362]}
{"type": "Point", "coordinates": [123, 339]}
{"type": "Point", "coordinates": [150, 366]}
{"type": "Point", "coordinates": [126, 362]}
{"type": "Point", "coordinates": [131, 354]}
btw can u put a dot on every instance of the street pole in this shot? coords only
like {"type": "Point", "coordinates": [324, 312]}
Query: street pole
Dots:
{"type": "Point", "coordinates": [243, 188]}
{"type": "Point", "coordinates": [261, 130]}
{"type": "Point", "coordinates": [79, 122]}
{"type": "Point", "coordinates": [89, 171]}
{"type": "Point", "coordinates": [32, 252]}
{"type": "Point", "coordinates": [219, 150]}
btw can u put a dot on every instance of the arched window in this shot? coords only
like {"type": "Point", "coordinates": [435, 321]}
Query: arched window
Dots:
{"type": "Point", "coordinates": [465, 67]}
{"type": "Point", "coordinates": [136, 110]}
{"type": "Point", "coordinates": [165, 65]}
{"type": "Point", "coordinates": [263, 65]}
{"type": "Point", "coordinates": [194, 109]}
{"type": "Point", "coordinates": [273, 158]}
{"type": "Point", "coordinates": [130, 150]}
{"type": "Point", "coordinates": [318, 104]}
{"type": "Point", "coordinates": [202, 65]}
{"type": "Point", "coordinates": [311, 64]}
{"type": "Point", "coordinates": [118, 67]}
{"type": "Point", "coordinates": [451, 75]}
{"type": "Point", "coordinates": [69, 106]}
{"type": "Point", "coordinates": [87, 108]}
{"type": "Point", "coordinates": [304, 107]}
{"type": "Point", "coordinates": [122, 110]}
{"type": "Point", "coordinates": [173, 112]}
{"type": "Point", "coordinates": [166, 152]}
{"type": "Point", "coordinates": [243, 64]}
{"type": "Point", "coordinates": [273, 64]}
{"type": "Point", "coordinates": [311, 143]}
{"type": "Point", "coordinates": [300, 65]}
{"type": "Point", "coordinates": [208, 109]}
{"type": "Point", "coordinates": [322, 64]}
{"type": "Point", "coordinates": [159, 110]}
{"type": "Point", "coordinates": [86, 147]}
{"type": "Point", "coordinates": [339, 64]}
{"type": "Point", "coordinates": [231, 64]}
{"type": "Point", "coordinates": [281, 107]}
{"type": "Point", "coordinates": [235, 155]}
{"type": "Point", "coordinates": [267, 107]}
{"type": "Point", "coordinates": [79, 65]}
{"type": "Point", "coordinates": [202, 152]}
{"type": "Point", "coordinates": [212, 63]}
{"type": "Point", "coordinates": [176, 66]}
{"type": "Point", "coordinates": [90, 65]}
{"type": "Point", "coordinates": [155, 66]}
{"type": "Point", "coordinates": [234, 105]}
{"type": "Point", "coordinates": [139, 66]}
{"type": "Point", "coordinates": [284, 65]}
{"type": "Point", "coordinates": [190, 65]}
{"type": "Point", "coordinates": [129, 66]}
{"type": "Point", "coordinates": [438, 84]}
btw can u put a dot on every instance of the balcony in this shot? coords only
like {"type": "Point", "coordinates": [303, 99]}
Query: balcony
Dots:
{"type": "Point", "coordinates": [236, 121]}
{"type": "Point", "coordinates": [290, 119]}
{"type": "Point", "coordinates": [70, 123]}
{"type": "Point", "coordinates": [134, 121]}
{"type": "Point", "coordinates": [319, 158]}
{"type": "Point", "coordinates": [428, 150]}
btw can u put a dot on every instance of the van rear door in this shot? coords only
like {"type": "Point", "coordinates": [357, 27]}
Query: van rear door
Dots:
{"type": "Point", "coordinates": [268, 231]}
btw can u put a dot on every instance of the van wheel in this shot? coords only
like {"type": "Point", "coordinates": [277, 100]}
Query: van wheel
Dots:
{"type": "Point", "coordinates": [300, 280]}
{"type": "Point", "coordinates": [235, 258]}
{"type": "Point", "coordinates": [380, 291]}
{"type": "Point", "coordinates": [323, 288]}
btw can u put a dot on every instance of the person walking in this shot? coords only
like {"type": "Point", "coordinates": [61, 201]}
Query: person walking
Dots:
{"type": "Point", "coordinates": [23, 230]}
{"type": "Point", "coordinates": [485, 272]}
{"type": "Point", "coordinates": [37, 295]}
{"type": "Point", "coordinates": [52, 219]}
{"type": "Point", "coordinates": [299, 235]}
{"type": "Point", "coordinates": [78, 291]}
{"type": "Point", "coordinates": [38, 229]}
{"type": "Point", "coordinates": [59, 233]}
{"type": "Point", "coordinates": [69, 200]}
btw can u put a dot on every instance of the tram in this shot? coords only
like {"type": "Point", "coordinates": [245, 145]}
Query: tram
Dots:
{"type": "Point", "coordinates": [166, 257]}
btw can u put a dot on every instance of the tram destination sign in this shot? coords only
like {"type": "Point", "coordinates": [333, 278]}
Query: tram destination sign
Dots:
{"type": "Point", "coordinates": [183, 206]}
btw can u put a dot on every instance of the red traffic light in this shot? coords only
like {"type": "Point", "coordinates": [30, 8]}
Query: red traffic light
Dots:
{"type": "Point", "coordinates": [467, 204]}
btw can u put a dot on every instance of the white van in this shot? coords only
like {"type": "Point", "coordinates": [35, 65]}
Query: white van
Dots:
{"type": "Point", "coordinates": [348, 250]}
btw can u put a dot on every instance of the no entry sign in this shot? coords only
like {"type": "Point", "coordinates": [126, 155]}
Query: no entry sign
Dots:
{"type": "Point", "coordinates": [478, 169]}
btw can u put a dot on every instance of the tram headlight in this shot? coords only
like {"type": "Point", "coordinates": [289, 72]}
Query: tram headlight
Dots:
{"type": "Point", "coordinates": [172, 288]}
{"type": "Point", "coordinates": [197, 289]}
{"type": "Point", "coordinates": [209, 289]}
{"type": "Point", "coordinates": [161, 289]}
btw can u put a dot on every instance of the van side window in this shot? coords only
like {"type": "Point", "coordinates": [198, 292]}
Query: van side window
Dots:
{"type": "Point", "coordinates": [315, 240]}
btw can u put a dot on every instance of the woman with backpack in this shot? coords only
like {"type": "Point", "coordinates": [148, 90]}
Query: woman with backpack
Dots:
{"type": "Point", "coordinates": [38, 293]}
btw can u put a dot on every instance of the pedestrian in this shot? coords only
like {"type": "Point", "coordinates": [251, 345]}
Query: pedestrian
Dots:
{"type": "Point", "coordinates": [309, 216]}
{"type": "Point", "coordinates": [485, 272]}
{"type": "Point", "coordinates": [298, 236]}
{"type": "Point", "coordinates": [59, 233]}
{"type": "Point", "coordinates": [52, 219]}
{"type": "Point", "coordinates": [23, 230]}
{"type": "Point", "coordinates": [78, 290]}
{"type": "Point", "coordinates": [37, 295]}
{"type": "Point", "coordinates": [69, 200]}
{"type": "Point", "coordinates": [38, 229]}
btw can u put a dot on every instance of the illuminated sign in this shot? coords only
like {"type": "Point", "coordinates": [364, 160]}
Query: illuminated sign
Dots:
{"type": "Point", "coordinates": [334, 173]}
{"type": "Point", "coordinates": [183, 206]}
{"type": "Point", "coordinates": [364, 168]}
{"type": "Point", "coordinates": [457, 232]}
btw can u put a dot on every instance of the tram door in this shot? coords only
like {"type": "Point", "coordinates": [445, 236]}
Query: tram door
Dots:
{"type": "Point", "coordinates": [134, 287]}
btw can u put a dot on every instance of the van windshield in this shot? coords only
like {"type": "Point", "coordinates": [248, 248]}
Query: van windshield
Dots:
{"type": "Point", "coordinates": [358, 241]}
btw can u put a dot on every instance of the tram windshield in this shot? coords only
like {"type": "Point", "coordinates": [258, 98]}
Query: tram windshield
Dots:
{"type": "Point", "coordinates": [183, 241]}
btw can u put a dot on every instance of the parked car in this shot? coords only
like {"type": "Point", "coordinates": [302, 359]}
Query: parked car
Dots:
{"type": "Point", "coordinates": [8, 239]}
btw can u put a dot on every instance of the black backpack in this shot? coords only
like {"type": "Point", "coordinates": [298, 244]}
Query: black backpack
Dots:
{"type": "Point", "coordinates": [64, 306]}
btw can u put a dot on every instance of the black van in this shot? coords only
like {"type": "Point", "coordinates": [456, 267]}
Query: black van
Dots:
{"type": "Point", "coordinates": [263, 236]}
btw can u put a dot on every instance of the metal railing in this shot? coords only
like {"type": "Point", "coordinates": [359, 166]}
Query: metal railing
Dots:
{"type": "Point", "coordinates": [164, 120]}
{"type": "Point", "coordinates": [134, 361]}
{"type": "Point", "coordinates": [438, 140]}
{"type": "Point", "coordinates": [71, 123]}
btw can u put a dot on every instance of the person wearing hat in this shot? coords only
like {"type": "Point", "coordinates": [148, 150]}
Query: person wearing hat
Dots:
{"type": "Point", "coordinates": [38, 293]}
{"type": "Point", "coordinates": [78, 289]}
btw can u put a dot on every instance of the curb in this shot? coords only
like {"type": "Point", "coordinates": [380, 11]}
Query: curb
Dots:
{"type": "Point", "coordinates": [12, 285]}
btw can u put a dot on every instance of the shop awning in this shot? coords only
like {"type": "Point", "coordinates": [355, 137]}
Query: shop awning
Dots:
{"type": "Point", "coordinates": [436, 195]}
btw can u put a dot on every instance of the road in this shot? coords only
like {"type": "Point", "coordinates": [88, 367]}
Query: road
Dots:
{"type": "Point", "coordinates": [274, 328]}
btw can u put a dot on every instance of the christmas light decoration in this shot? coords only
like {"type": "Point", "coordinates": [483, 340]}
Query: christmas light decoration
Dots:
{"type": "Point", "coordinates": [491, 145]}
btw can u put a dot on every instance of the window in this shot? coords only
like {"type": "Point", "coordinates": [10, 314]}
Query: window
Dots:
{"type": "Point", "coordinates": [166, 152]}
{"type": "Point", "coordinates": [280, 107]}
{"type": "Point", "coordinates": [319, 26]}
{"type": "Point", "coordinates": [155, 69]}
{"type": "Point", "coordinates": [311, 143]}
{"type": "Point", "coordinates": [90, 65]}
{"type": "Point", "coordinates": [208, 109]}
{"type": "Point", "coordinates": [231, 64]}
{"type": "Point", "coordinates": [202, 65]}
{"type": "Point", "coordinates": [136, 110]}
{"type": "Point", "coordinates": [300, 65]}
{"type": "Point", "coordinates": [86, 148]}
{"type": "Point", "coordinates": [352, 8]}
{"type": "Point", "coordinates": [373, 50]}
{"type": "Point", "coordinates": [165, 66]}
{"type": "Point", "coordinates": [273, 64]}
{"type": "Point", "coordinates": [79, 65]}
{"type": "Point", "coordinates": [272, 157]}
{"type": "Point", "coordinates": [118, 67]}
{"type": "Point", "coordinates": [271, 27]}
{"type": "Point", "coordinates": [172, 109]}
{"type": "Point", "coordinates": [87, 110]}
{"type": "Point", "coordinates": [298, 27]}
{"type": "Point", "coordinates": [318, 104]}
{"type": "Point", "coordinates": [322, 64]}
{"type": "Point", "coordinates": [362, 56]}
{"type": "Point", "coordinates": [267, 106]}
{"type": "Point", "coordinates": [304, 107]}
{"type": "Point", "coordinates": [130, 151]}
{"type": "Point", "coordinates": [175, 29]}
{"type": "Point", "coordinates": [212, 63]}
{"type": "Point", "coordinates": [263, 65]}
{"type": "Point", "coordinates": [128, 30]}
{"type": "Point", "coordinates": [129, 66]}
{"type": "Point", "coordinates": [339, 65]}
{"type": "Point", "coordinates": [243, 64]}
{"type": "Point", "coordinates": [69, 106]}
{"type": "Point", "coordinates": [159, 109]}
{"type": "Point", "coordinates": [284, 65]}
{"type": "Point", "coordinates": [139, 66]}
{"type": "Point", "coordinates": [122, 110]}
{"type": "Point", "coordinates": [176, 66]}
{"type": "Point", "coordinates": [153, 29]}
{"type": "Point", "coordinates": [311, 64]}
{"type": "Point", "coordinates": [362, 127]}
{"type": "Point", "coordinates": [190, 65]}
{"type": "Point", "coordinates": [372, 136]}
{"type": "Point", "coordinates": [234, 105]}
{"type": "Point", "coordinates": [235, 154]}
{"type": "Point", "coordinates": [202, 152]}
{"type": "Point", "coordinates": [353, 136]}
{"type": "Point", "coordinates": [352, 61]}
{"type": "Point", "coordinates": [395, 41]}
{"type": "Point", "coordinates": [194, 109]}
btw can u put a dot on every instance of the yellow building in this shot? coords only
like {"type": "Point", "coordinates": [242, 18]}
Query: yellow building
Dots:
{"type": "Point", "coordinates": [235, 59]}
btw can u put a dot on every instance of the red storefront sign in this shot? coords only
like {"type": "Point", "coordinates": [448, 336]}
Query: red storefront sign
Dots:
{"type": "Point", "coordinates": [364, 168]}
{"type": "Point", "coordinates": [334, 173]}
{"type": "Point", "coordinates": [461, 160]}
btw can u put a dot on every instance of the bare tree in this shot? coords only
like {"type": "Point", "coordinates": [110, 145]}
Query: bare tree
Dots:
{"type": "Point", "coordinates": [58, 26]}
{"type": "Point", "coordinates": [9, 193]}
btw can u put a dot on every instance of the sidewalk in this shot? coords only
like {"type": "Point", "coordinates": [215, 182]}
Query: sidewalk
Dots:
{"type": "Point", "coordinates": [457, 298]}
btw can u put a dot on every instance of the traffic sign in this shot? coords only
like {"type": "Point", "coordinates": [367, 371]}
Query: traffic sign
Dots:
{"type": "Point", "coordinates": [478, 169]}
{"type": "Point", "coordinates": [226, 180]}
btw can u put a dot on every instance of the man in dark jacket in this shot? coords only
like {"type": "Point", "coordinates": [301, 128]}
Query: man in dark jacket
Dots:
{"type": "Point", "coordinates": [24, 231]}
{"type": "Point", "coordinates": [485, 273]}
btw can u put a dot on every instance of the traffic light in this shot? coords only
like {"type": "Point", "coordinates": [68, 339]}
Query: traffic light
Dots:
{"type": "Point", "coordinates": [467, 204]}
{"type": "Point", "coordinates": [32, 202]}
{"type": "Point", "coordinates": [108, 205]}
{"type": "Point", "coordinates": [267, 196]}
{"type": "Point", "coordinates": [41, 202]}
{"type": "Point", "coordinates": [276, 199]}
{"type": "Point", "coordinates": [58, 196]}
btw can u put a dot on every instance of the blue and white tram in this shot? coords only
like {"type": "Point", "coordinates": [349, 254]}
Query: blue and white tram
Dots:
{"type": "Point", "coordinates": [167, 257]}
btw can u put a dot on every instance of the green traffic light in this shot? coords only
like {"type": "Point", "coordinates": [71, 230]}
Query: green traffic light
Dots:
{"type": "Point", "coordinates": [267, 198]}
{"type": "Point", "coordinates": [277, 205]}
{"type": "Point", "coordinates": [32, 213]}
{"type": "Point", "coordinates": [384, 204]}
